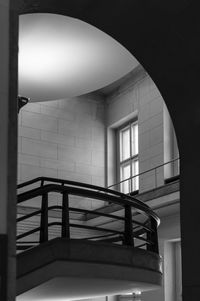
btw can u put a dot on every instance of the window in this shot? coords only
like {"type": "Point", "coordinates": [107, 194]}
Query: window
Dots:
{"type": "Point", "coordinates": [128, 157]}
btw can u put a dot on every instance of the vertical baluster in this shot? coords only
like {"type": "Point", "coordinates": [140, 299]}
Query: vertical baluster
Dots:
{"type": "Point", "coordinates": [44, 219]}
{"type": "Point", "coordinates": [65, 216]}
{"type": "Point", "coordinates": [128, 229]}
{"type": "Point", "coordinates": [153, 237]}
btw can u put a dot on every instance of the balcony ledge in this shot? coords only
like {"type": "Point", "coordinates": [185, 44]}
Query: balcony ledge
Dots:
{"type": "Point", "coordinates": [78, 269]}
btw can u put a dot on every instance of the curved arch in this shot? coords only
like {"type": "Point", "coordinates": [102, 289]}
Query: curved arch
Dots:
{"type": "Point", "coordinates": [150, 43]}
{"type": "Point", "coordinates": [165, 39]}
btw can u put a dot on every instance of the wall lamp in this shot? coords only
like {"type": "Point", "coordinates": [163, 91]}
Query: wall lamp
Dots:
{"type": "Point", "coordinates": [22, 101]}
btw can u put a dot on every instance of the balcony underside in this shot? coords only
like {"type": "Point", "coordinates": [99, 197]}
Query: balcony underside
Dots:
{"type": "Point", "coordinates": [77, 269]}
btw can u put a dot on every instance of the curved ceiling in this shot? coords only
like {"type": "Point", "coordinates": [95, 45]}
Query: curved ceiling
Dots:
{"type": "Point", "coordinates": [63, 57]}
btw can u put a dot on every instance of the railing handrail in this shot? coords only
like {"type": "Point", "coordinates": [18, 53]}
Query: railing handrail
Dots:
{"type": "Point", "coordinates": [80, 184]}
{"type": "Point", "coordinates": [134, 229]}
{"type": "Point", "coordinates": [111, 197]}
{"type": "Point", "coordinates": [143, 172]}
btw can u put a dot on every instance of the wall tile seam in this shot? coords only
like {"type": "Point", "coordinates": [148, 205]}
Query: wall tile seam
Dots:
{"type": "Point", "coordinates": [152, 145]}
{"type": "Point", "coordinates": [83, 134]}
{"type": "Point", "coordinates": [51, 108]}
{"type": "Point", "coordinates": [31, 155]}
{"type": "Point", "coordinates": [158, 96]}
{"type": "Point", "coordinates": [36, 126]}
{"type": "Point", "coordinates": [28, 127]}
{"type": "Point", "coordinates": [24, 113]}
{"type": "Point", "coordinates": [151, 165]}
{"type": "Point", "coordinates": [118, 97]}
{"type": "Point", "coordinates": [146, 131]}
{"type": "Point", "coordinates": [28, 137]}
{"type": "Point", "coordinates": [143, 101]}
{"type": "Point", "coordinates": [125, 87]}
{"type": "Point", "coordinates": [91, 148]}
{"type": "Point", "coordinates": [150, 119]}
{"type": "Point", "coordinates": [85, 165]}
{"type": "Point", "coordinates": [88, 173]}
{"type": "Point", "coordinates": [150, 176]}
{"type": "Point", "coordinates": [40, 129]}
{"type": "Point", "coordinates": [157, 147]}
{"type": "Point", "coordinates": [148, 99]}
{"type": "Point", "coordinates": [148, 156]}
{"type": "Point", "coordinates": [38, 167]}
{"type": "Point", "coordinates": [70, 148]}
{"type": "Point", "coordinates": [60, 132]}
{"type": "Point", "coordinates": [131, 85]}
{"type": "Point", "coordinates": [156, 128]}
{"type": "Point", "coordinates": [36, 157]}
{"type": "Point", "coordinates": [40, 156]}
{"type": "Point", "coordinates": [39, 141]}
{"type": "Point", "coordinates": [29, 108]}
{"type": "Point", "coordinates": [145, 91]}
{"type": "Point", "coordinates": [55, 113]}
{"type": "Point", "coordinates": [92, 118]}
{"type": "Point", "coordinates": [53, 141]}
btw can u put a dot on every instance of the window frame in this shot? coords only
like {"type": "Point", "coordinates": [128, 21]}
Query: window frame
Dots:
{"type": "Point", "coordinates": [130, 159]}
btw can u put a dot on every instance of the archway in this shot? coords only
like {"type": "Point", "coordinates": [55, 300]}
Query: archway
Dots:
{"type": "Point", "coordinates": [163, 39]}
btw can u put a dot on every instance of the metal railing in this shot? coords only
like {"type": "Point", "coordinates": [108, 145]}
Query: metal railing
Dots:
{"type": "Point", "coordinates": [170, 170]}
{"type": "Point", "coordinates": [136, 226]}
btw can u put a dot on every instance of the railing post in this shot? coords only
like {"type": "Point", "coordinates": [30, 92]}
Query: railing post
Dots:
{"type": "Point", "coordinates": [153, 237]}
{"type": "Point", "coordinates": [128, 227]}
{"type": "Point", "coordinates": [65, 216]}
{"type": "Point", "coordinates": [44, 219]}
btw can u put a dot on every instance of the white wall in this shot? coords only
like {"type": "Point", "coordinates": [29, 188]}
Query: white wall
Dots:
{"type": "Point", "coordinates": [66, 138]}
{"type": "Point", "coordinates": [63, 139]}
{"type": "Point", "coordinates": [140, 97]}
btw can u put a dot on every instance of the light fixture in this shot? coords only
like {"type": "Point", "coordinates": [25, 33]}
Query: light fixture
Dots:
{"type": "Point", "coordinates": [137, 296]}
{"type": "Point", "coordinates": [22, 101]}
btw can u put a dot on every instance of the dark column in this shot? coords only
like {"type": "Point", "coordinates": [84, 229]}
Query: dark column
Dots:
{"type": "Point", "coordinates": [8, 147]}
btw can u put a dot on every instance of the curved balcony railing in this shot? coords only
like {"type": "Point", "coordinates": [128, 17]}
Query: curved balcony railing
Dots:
{"type": "Point", "coordinates": [134, 224]}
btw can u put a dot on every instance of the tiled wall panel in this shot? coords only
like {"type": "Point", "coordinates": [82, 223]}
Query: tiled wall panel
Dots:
{"type": "Point", "coordinates": [63, 139]}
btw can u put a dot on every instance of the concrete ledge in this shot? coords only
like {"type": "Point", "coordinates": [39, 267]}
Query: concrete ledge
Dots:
{"type": "Point", "coordinates": [83, 259]}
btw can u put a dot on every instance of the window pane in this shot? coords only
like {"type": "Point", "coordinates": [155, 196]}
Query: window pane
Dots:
{"type": "Point", "coordinates": [134, 138]}
{"type": "Point", "coordinates": [125, 144]}
{"type": "Point", "coordinates": [125, 174]}
{"type": "Point", "coordinates": [135, 171]}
